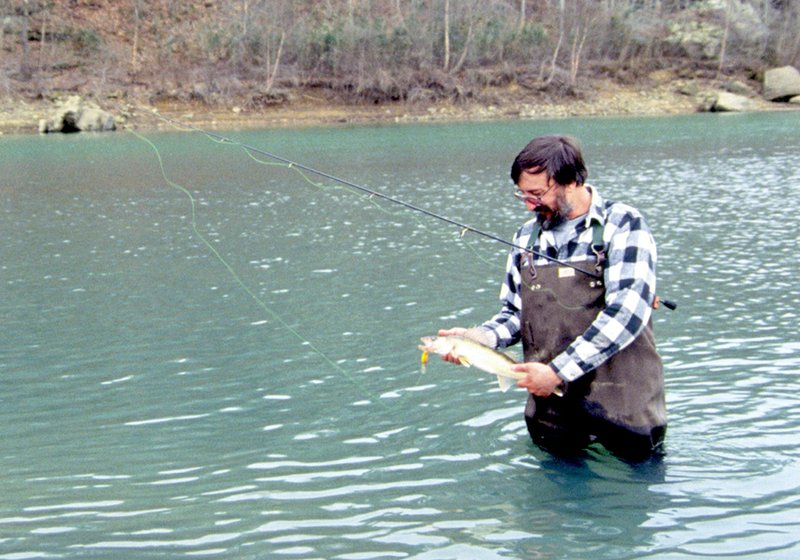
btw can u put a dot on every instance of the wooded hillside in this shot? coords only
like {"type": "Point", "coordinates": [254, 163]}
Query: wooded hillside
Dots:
{"type": "Point", "coordinates": [255, 52]}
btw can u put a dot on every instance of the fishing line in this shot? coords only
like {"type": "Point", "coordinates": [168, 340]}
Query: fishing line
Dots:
{"type": "Point", "coordinates": [369, 198]}
{"type": "Point", "coordinates": [302, 169]}
{"type": "Point", "coordinates": [271, 313]}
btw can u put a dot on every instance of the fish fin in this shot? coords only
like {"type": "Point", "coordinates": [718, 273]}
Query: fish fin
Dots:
{"type": "Point", "coordinates": [504, 383]}
{"type": "Point", "coordinates": [463, 361]}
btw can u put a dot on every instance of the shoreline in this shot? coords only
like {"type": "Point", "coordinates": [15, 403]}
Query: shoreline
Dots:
{"type": "Point", "coordinates": [309, 109]}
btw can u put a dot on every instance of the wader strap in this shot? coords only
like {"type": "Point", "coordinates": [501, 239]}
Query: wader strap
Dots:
{"type": "Point", "coordinates": [537, 229]}
{"type": "Point", "coordinates": [625, 394]}
{"type": "Point", "coordinates": [598, 247]}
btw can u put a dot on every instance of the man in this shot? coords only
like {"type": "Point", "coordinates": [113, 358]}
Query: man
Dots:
{"type": "Point", "coordinates": [585, 333]}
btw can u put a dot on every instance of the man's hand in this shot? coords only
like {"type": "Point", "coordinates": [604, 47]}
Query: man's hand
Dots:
{"type": "Point", "coordinates": [540, 379]}
{"type": "Point", "coordinates": [473, 334]}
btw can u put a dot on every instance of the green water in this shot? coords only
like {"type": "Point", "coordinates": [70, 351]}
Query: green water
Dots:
{"type": "Point", "coordinates": [251, 388]}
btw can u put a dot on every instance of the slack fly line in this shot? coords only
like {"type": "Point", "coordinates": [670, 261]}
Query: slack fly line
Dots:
{"type": "Point", "coordinates": [300, 167]}
{"type": "Point", "coordinates": [304, 169]}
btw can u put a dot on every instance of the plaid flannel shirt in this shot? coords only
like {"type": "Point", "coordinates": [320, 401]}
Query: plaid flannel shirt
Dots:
{"type": "Point", "coordinates": [629, 276]}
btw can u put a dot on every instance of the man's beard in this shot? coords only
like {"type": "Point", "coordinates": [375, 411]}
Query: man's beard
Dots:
{"type": "Point", "coordinates": [548, 217]}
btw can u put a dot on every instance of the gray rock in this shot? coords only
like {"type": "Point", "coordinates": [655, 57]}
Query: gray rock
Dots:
{"type": "Point", "coordinates": [731, 102]}
{"type": "Point", "coordinates": [95, 120]}
{"type": "Point", "coordinates": [76, 115]}
{"type": "Point", "coordinates": [781, 84]}
{"type": "Point", "coordinates": [739, 88]}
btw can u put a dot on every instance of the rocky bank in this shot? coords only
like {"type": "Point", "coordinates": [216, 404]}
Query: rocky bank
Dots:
{"type": "Point", "coordinates": [661, 94]}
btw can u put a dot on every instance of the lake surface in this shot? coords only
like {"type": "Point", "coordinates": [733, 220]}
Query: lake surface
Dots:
{"type": "Point", "coordinates": [220, 360]}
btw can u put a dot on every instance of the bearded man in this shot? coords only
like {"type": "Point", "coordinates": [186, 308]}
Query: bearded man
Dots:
{"type": "Point", "coordinates": [587, 337]}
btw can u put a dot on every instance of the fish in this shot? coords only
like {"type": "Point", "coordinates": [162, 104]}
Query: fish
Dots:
{"type": "Point", "coordinates": [471, 353]}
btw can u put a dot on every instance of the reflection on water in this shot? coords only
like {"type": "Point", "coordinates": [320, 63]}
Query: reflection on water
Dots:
{"type": "Point", "coordinates": [151, 407]}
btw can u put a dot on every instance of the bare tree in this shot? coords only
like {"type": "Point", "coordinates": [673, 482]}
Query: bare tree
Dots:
{"type": "Point", "coordinates": [725, 35]}
{"type": "Point", "coordinates": [557, 48]}
{"type": "Point", "coordinates": [274, 72]}
{"type": "Point", "coordinates": [245, 16]}
{"type": "Point", "coordinates": [578, 41]}
{"type": "Point", "coordinates": [388, 48]}
{"type": "Point", "coordinates": [24, 66]}
{"type": "Point", "coordinates": [135, 41]}
{"type": "Point", "coordinates": [465, 50]}
{"type": "Point", "coordinates": [446, 64]}
{"type": "Point", "coordinates": [42, 42]}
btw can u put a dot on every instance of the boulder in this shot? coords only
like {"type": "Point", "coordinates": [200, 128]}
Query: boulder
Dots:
{"type": "Point", "coordinates": [739, 88]}
{"type": "Point", "coordinates": [76, 115]}
{"type": "Point", "coordinates": [731, 102]}
{"type": "Point", "coordinates": [781, 84]}
{"type": "Point", "coordinates": [94, 119]}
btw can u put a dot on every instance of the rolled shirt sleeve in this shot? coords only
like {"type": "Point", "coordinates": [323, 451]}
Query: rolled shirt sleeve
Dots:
{"type": "Point", "coordinates": [630, 280]}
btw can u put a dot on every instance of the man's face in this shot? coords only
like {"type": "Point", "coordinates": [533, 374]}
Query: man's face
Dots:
{"type": "Point", "coordinates": [538, 192]}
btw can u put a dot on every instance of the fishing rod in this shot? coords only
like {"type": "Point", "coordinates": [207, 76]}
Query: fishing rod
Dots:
{"type": "Point", "coordinates": [377, 194]}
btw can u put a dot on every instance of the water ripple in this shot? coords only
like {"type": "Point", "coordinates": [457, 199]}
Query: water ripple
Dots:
{"type": "Point", "coordinates": [151, 409]}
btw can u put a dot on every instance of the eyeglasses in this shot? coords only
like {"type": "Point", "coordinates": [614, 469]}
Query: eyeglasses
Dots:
{"type": "Point", "coordinates": [527, 197]}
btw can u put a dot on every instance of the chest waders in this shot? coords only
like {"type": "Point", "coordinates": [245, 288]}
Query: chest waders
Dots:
{"type": "Point", "coordinates": [619, 404]}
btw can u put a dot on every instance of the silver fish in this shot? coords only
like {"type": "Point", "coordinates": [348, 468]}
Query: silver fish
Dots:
{"type": "Point", "coordinates": [471, 353]}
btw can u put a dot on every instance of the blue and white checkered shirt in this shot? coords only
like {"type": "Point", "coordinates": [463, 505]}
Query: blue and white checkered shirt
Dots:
{"type": "Point", "coordinates": [630, 284]}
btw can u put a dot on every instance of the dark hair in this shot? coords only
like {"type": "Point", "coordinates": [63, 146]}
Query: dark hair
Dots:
{"type": "Point", "coordinates": [559, 156]}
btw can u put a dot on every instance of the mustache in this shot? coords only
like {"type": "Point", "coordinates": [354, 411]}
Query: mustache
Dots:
{"type": "Point", "coordinates": [547, 217]}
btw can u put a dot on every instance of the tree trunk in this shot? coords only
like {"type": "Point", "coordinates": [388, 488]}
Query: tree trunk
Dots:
{"type": "Point", "coordinates": [552, 75]}
{"type": "Point", "coordinates": [464, 52]}
{"type": "Point", "coordinates": [446, 64]}
{"type": "Point", "coordinates": [577, 47]}
{"type": "Point", "coordinates": [42, 43]}
{"type": "Point", "coordinates": [135, 42]}
{"type": "Point", "coordinates": [245, 16]}
{"type": "Point", "coordinates": [724, 44]}
{"type": "Point", "coordinates": [24, 66]}
{"type": "Point", "coordinates": [274, 73]}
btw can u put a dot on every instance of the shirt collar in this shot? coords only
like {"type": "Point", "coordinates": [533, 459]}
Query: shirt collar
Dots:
{"type": "Point", "coordinates": [595, 213]}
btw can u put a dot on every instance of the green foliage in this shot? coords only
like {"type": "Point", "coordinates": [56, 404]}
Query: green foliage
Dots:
{"type": "Point", "coordinates": [525, 45]}
{"type": "Point", "coordinates": [323, 47]}
{"type": "Point", "coordinates": [533, 33]}
{"type": "Point", "coordinates": [392, 45]}
{"type": "Point", "coordinates": [86, 42]}
{"type": "Point", "coordinates": [215, 44]}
